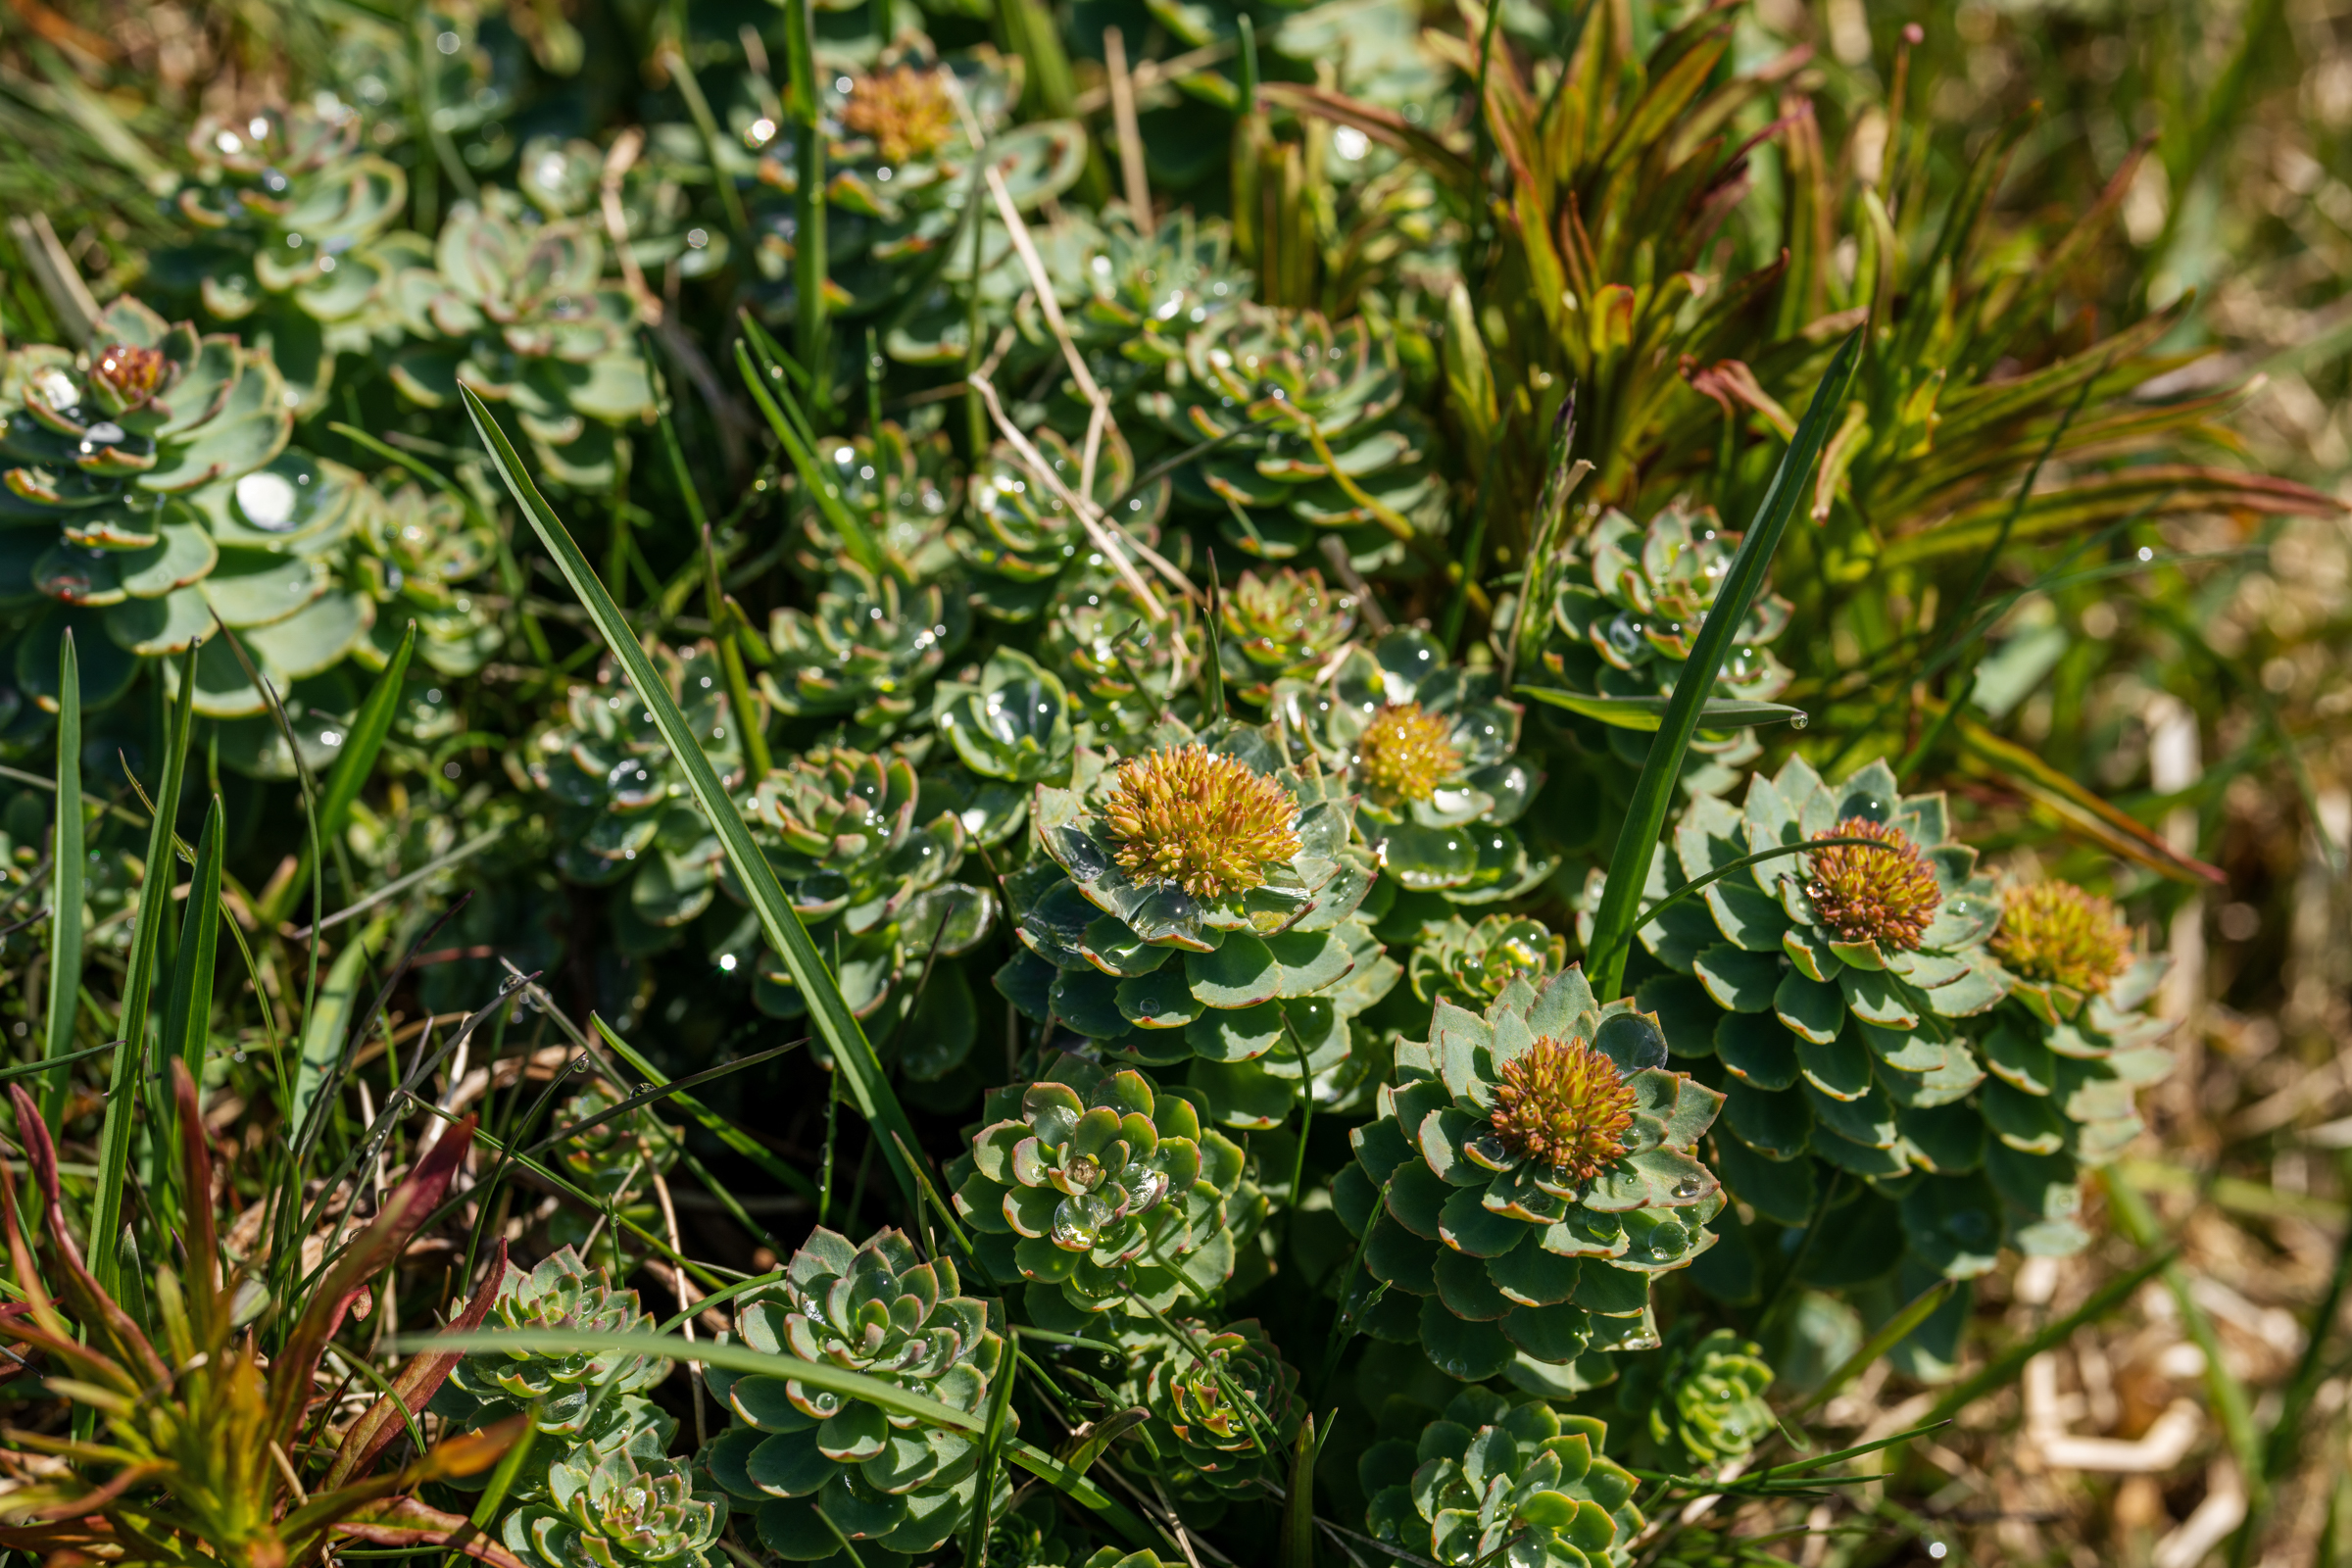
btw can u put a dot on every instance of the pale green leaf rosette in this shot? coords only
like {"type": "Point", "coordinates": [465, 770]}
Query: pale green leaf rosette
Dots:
{"type": "Point", "coordinates": [289, 215]}
{"type": "Point", "coordinates": [617, 1510]}
{"type": "Point", "coordinates": [1103, 1191]}
{"type": "Point", "coordinates": [1198, 901]}
{"type": "Point", "coordinates": [1026, 550]}
{"type": "Point", "coordinates": [867, 654]}
{"type": "Point", "coordinates": [1698, 1403]}
{"type": "Point", "coordinates": [1284, 625]}
{"type": "Point", "coordinates": [1622, 622]}
{"type": "Point", "coordinates": [1010, 724]}
{"type": "Point", "coordinates": [1500, 1480]}
{"type": "Point", "coordinates": [519, 310]}
{"type": "Point", "coordinates": [146, 488]}
{"type": "Point", "coordinates": [905, 490]}
{"type": "Point", "coordinates": [657, 188]}
{"type": "Point", "coordinates": [1469, 964]}
{"type": "Point", "coordinates": [815, 1467]}
{"type": "Point", "coordinates": [623, 811]}
{"type": "Point", "coordinates": [418, 550]}
{"type": "Point", "coordinates": [1223, 1410]}
{"type": "Point", "coordinates": [1315, 437]}
{"type": "Point", "coordinates": [1128, 671]}
{"type": "Point", "coordinates": [578, 1397]}
{"type": "Point", "coordinates": [1432, 748]}
{"type": "Point", "coordinates": [872, 879]}
{"type": "Point", "coordinates": [1528, 1174]}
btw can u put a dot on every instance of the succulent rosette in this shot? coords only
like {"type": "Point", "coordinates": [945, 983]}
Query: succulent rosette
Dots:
{"type": "Point", "coordinates": [1698, 1403]}
{"type": "Point", "coordinates": [1026, 552]}
{"type": "Point", "coordinates": [1283, 625]}
{"type": "Point", "coordinates": [1313, 436]}
{"type": "Point", "coordinates": [623, 810]}
{"type": "Point", "coordinates": [517, 310]}
{"type": "Point", "coordinates": [1198, 899]}
{"type": "Point", "coordinates": [1103, 1191]}
{"type": "Point", "coordinates": [816, 1467]}
{"type": "Point", "coordinates": [417, 551]}
{"type": "Point", "coordinates": [1431, 749]}
{"type": "Point", "coordinates": [1622, 617]}
{"type": "Point", "coordinates": [287, 211]}
{"type": "Point", "coordinates": [875, 885]}
{"type": "Point", "coordinates": [1500, 1479]}
{"type": "Point", "coordinates": [904, 489]}
{"type": "Point", "coordinates": [1224, 1408]}
{"type": "Point", "coordinates": [867, 654]}
{"type": "Point", "coordinates": [583, 1397]}
{"type": "Point", "coordinates": [146, 488]}
{"type": "Point", "coordinates": [897, 173]}
{"type": "Point", "coordinates": [617, 1510]}
{"type": "Point", "coordinates": [1128, 670]}
{"type": "Point", "coordinates": [1529, 1172]}
{"type": "Point", "coordinates": [1010, 722]}
{"type": "Point", "coordinates": [656, 193]}
{"type": "Point", "coordinates": [1470, 964]}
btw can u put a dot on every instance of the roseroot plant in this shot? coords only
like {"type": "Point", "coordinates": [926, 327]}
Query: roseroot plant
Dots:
{"type": "Point", "coordinates": [1284, 625]}
{"type": "Point", "coordinates": [617, 1510]}
{"type": "Point", "coordinates": [1529, 1173]}
{"type": "Point", "coordinates": [875, 886]}
{"type": "Point", "coordinates": [582, 1397]}
{"type": "Point", "coordinates": [1624, 604]}
{"type": "Point", "coordinates": [864, 658]}
{"type": "Point", "coordinates": [290, 216]}
{"type": "Point", "coordinates": [1025, 549]}
{"type": "Point", "coordinates": [1103, 1191]}
{"type": "Point", "coordinates": [1224, 1407]}
{"type": "Point", "coordinates": [815, 1467]}
{"type": "Point", "coordinates": [1198, 901]}
{"type": "Point", "coordinates": [417, 551]}
{"type": "Point", "coordinates": [1128, 670]}
{"type": "Point", "coordinates": [519, 310]}
{"type": "Point", "coordinates": [1314, 436]}
{"type": "Point", "coordinates": [1698, 1403]}
{"type": "Point", "coordinates": [1502, 1479]}
{"type": "Point", "coordinates": [623, 810]}
{"type": "Point", "coordinates": [902, 489]}
{"type": "Point", "coordinates": [1470, 964]}
{"type": "Point", "coordinates": [1431, 749]}
{"type": "Point", "coordinates": [149, 489]}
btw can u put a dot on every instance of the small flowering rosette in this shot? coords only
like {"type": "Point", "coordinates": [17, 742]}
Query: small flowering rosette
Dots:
{"type": "Point", "coordinates": [1430, 748]}
{"type": "Point", "coordinates": [814, 1462]}
{"type": "Point", "coordinates": [1198, 900]}
{"type": "Point", "coordinates": [1503, 1480]}
{"type": "Point", "coordinates": [617, 1510]}
{"type": "Point", "coordinates": [1223, 1411]}
{"type": "Point", "coordinates": [1284, 625]}
{"type": "Point", "coordinates": [1100, 1189]}
{"type": "Point", "coordinates": [1529, 1173]}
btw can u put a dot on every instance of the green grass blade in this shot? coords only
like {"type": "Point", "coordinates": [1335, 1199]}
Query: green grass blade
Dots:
{"type": "Point", "coordinates": [64, 892]}
{"type": "Point", "coordinates": [187, 1015]}
{"type": "Point", "coordinates": [1648, 714]}
{"type": "Point", "coordinates": [365, 742]}
{"type": "Point", "coordinates": [130, 1053]}
{"type": "Point", "coordinates": [791, 427]}
{"type": "Point", "coordinates": [329, 1020]}
{"type": "Point", "coordinates": [726, 1132]}
{"type": "Point", "coordinates": [1653, 792]}
{"type": "Point", "coordinates": [828, 1013]}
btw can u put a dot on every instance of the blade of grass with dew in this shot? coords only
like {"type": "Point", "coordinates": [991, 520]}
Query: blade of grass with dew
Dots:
{"type": "Point", "coordinates": [187, 1015]}
{"type": "Point", "coordinates": [65, 896]}
{"type": "Point", "coordinates": [809, 202]}
{"type": "Point", "coordinates": [828, 1013]}
{"type": "Point", "coordinates": [1654, 790]}
{"type": "Point", "coordinates": [131, 1051]}
{"type": "Point", "coordinates": [330, 1017]}
{"type": "Point", "coordinates": [726, 1132]}
{"type": "Point", "coordinates": [716, 606]}
{"type": "Point", "coordinates": [363, 742]}
{"type": "Point", "coordinates": [791, 427]}
{"type": "Point", "coordinates": [1648, 714]}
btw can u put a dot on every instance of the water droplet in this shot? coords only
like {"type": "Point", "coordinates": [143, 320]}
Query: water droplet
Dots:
{"type": "Point", "coordinates": [1082, 855]}
{"type": "Point", "coordinates": [1632, 1040]}
{"type": "Point", "coordinates": [1625, 634]}
{"type": "Point", "coordinates": [1687, 1188]}
{"type": "Point", "coordinates": [267, 501]}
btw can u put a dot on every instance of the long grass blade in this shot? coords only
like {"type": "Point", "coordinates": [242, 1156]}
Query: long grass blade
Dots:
{"type": "Point", "coordinates": [64, 892]}
{"type": "Point", "coordinates": [726, 1132]}
{"type": "Point", "coordinates": [829, 1012]}
{"type": "Point", "coordinates": [799, 438]}
{"type": "Point", "coordinates": [188, 1013]}
{"type": "Point", "coordinates": [1653, 792]}
{"type": "Point", "coordinates": [130, 1053]}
